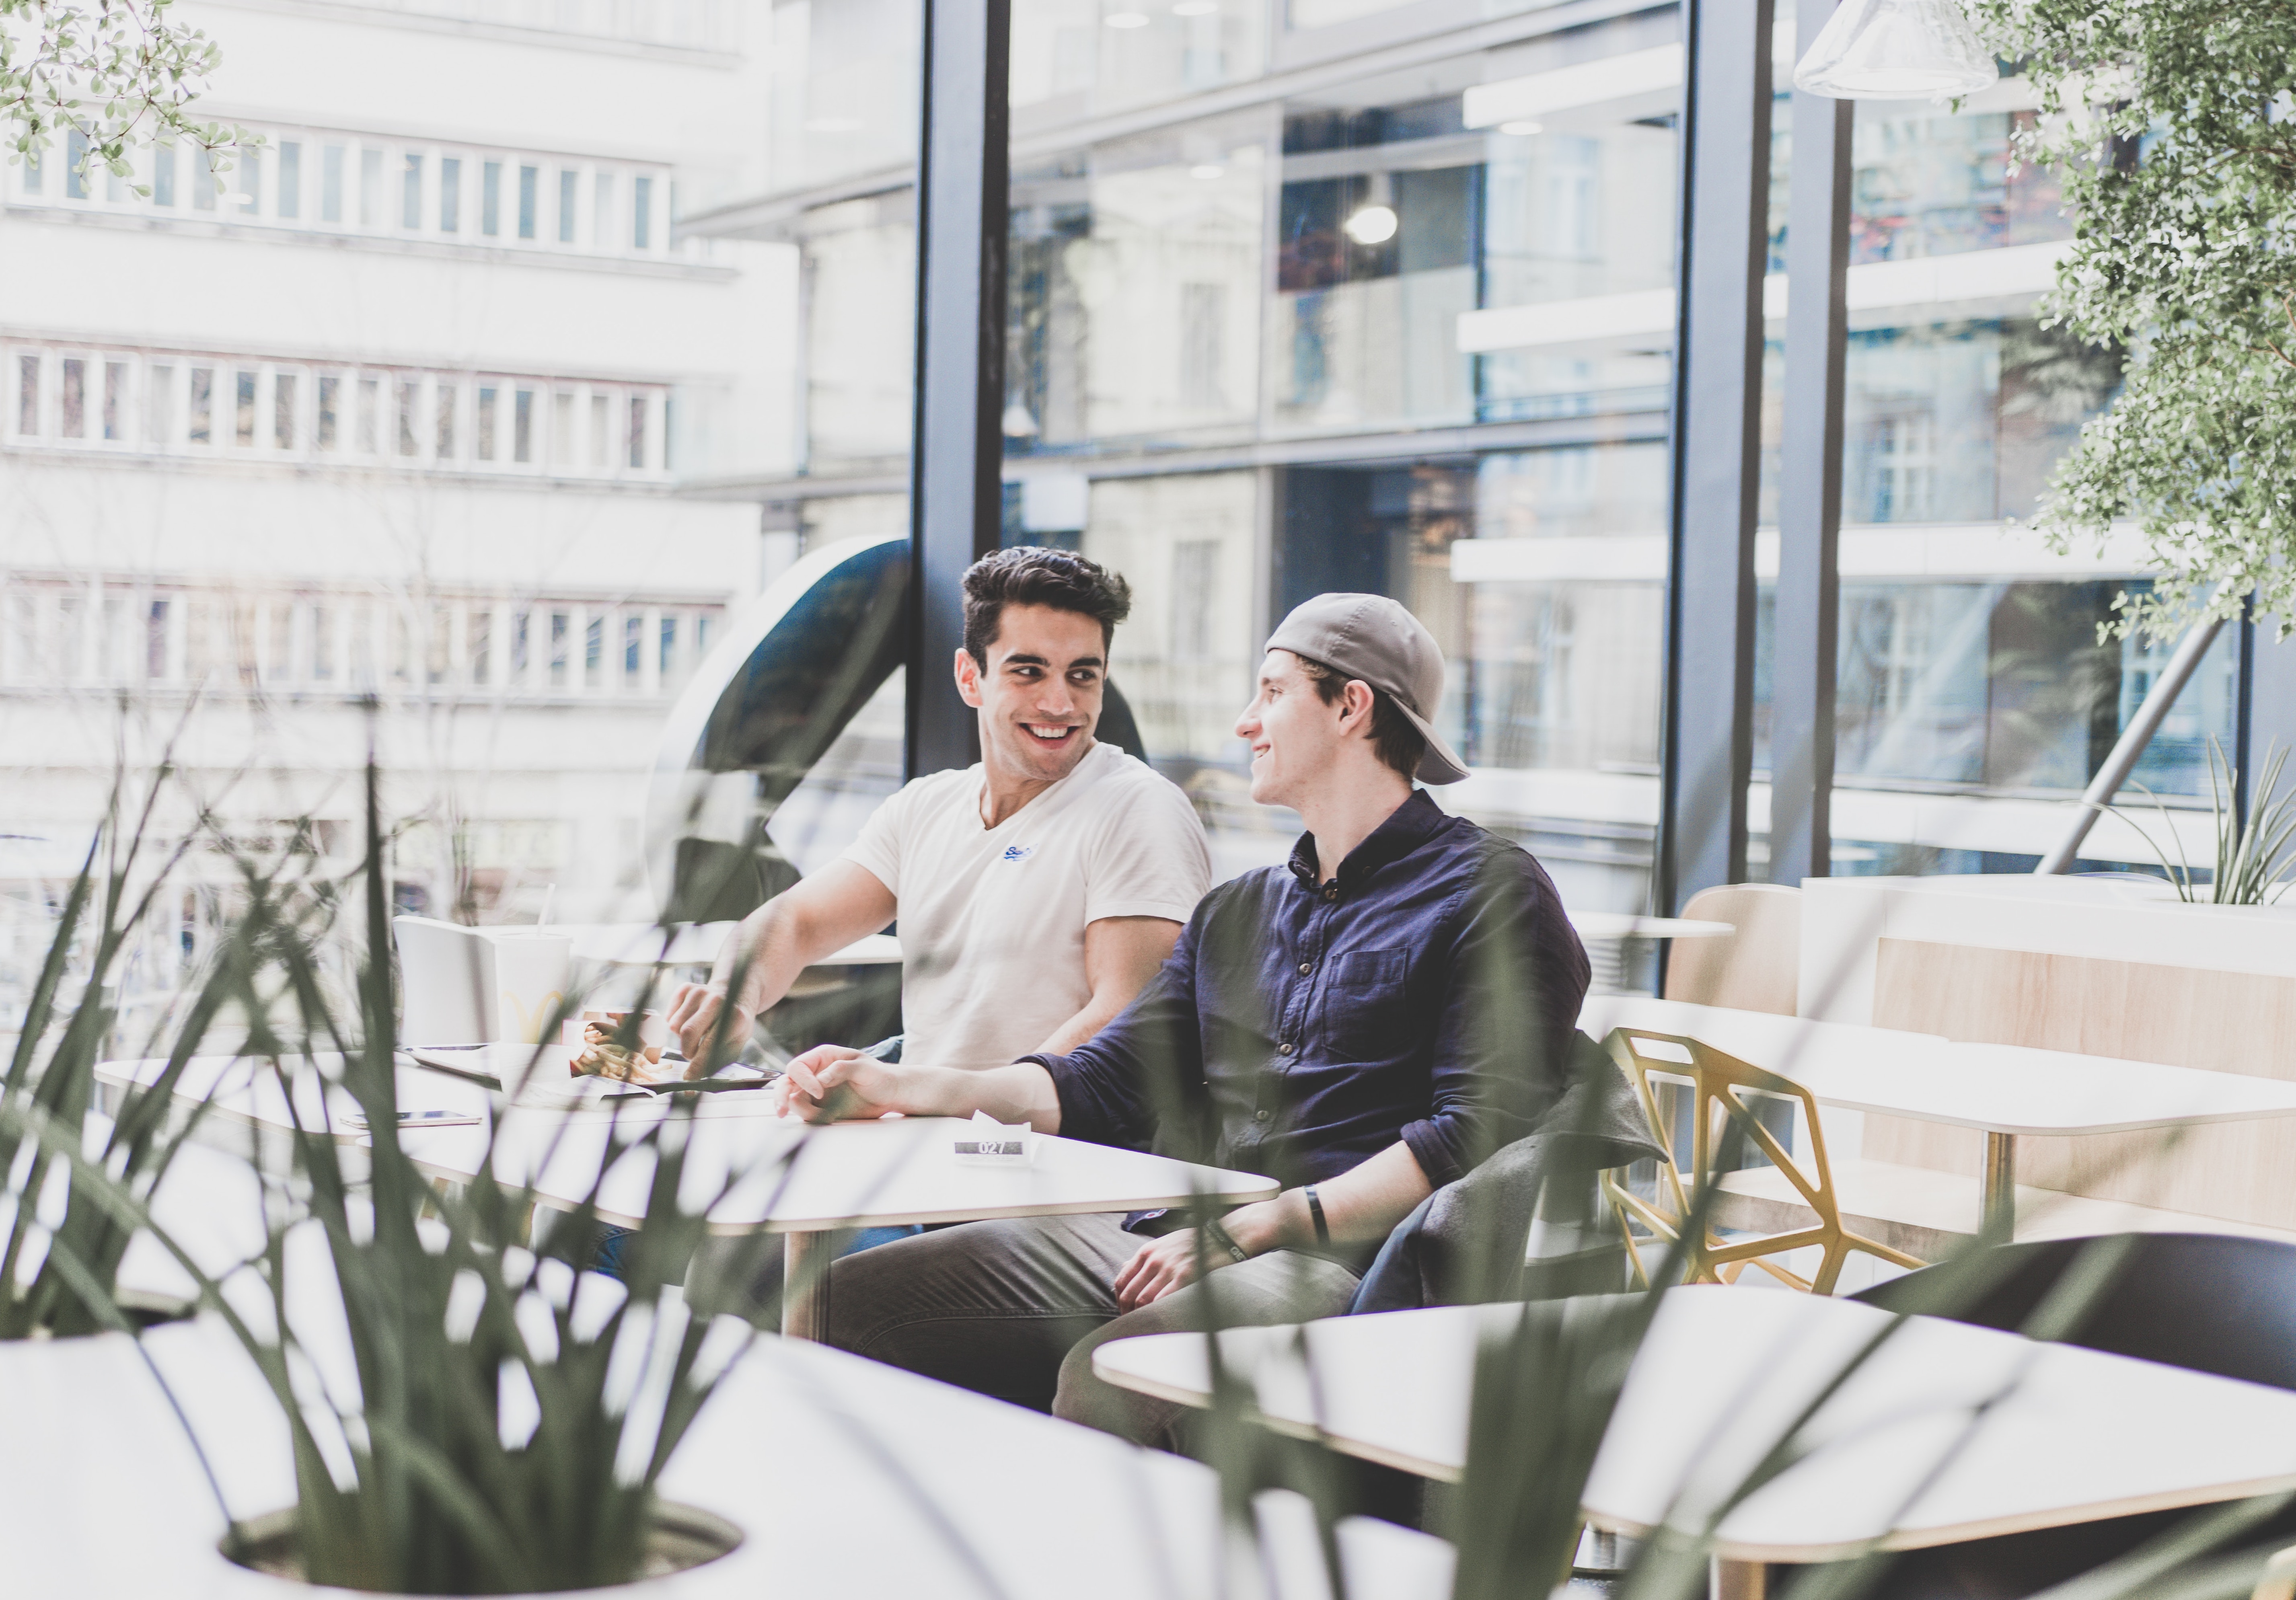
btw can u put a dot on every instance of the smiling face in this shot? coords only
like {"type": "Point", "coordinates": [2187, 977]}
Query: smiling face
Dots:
{"type": "Point", "coordinates": [1295, 735]}
{"type": "Point", "coordinates": [1040, 697]}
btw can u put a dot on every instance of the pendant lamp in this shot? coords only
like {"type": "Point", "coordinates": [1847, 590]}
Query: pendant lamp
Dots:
{"type": "Point", "coordinates": [1896, 49]}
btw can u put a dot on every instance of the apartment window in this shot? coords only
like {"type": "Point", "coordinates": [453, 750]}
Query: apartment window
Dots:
{"type": "Point", "coordinates": [529, 179]}
{"type": "Point", "coordinates": [566, 184]}
{"type": "Point", "coordinates": [450, 194]}
{"type": "Point", "coordinates": [410, 183]}
{"type": "Point", "coordinates": [520, 628]}
{"type": "Point", "coordinates": [160, 405]}
{"type": "Point", "coordinates": [370, 188]}
{"type": "Point", "coordinates": [322, 643]}
{"type": "Point", "coordinates": [602, 212]}
{"type": "Point", "coordinates": [163, 176]}
{"type": "Point", "coordinates": [667, 645]}
{"type": "Point", "coordinates": [283, 411]}
{"type": "Point", "coordinates": [75, 162]}
{"type": "Point", "coordinates": [155, 640]}
{"type": "Point", "coordinates": [115, 400]}
{"type": "Point", "coordinates": [290, 178]}
{"type": "Point", "coordinates": [480, 637]}
{"type": "Point", "coordinates": [370, 417]}
{"type": "Point", "coordinates": [27, 396]}
{"type": "Point", "coordinates": [638, 431]}
{"type": "Point", "coordinates": [561, 428]}
{"type": "Point", "coordinates": [330, 183]}
{"type": "Point", "coordinates": [330, 391]}
{"type": "Point", "coordinates": [203, 180]}
{"type": "Point", "coordinates": [243, 417]}
{"type": "Point", "coordinates": [407, 389]}
{"type": "Point", "coordinates": [703, 627]}
{"type": "Point", "coordinates": [251, 182]}
{"type": "Point", "coordinates": [599, 413]}
{"type": "Point", "coordinates": [447, 390]}
{"type": "Point", "coordinates": [32, 173]}
{"type": "Point", "coordinates": [633, 649]}
{"type": "Point", "coordinates": [593, 651]}
{"type": "Point", "coordinates": [484, 449]}
{"type": "Point", "coordinates": [435, 646]}
{"type": "Point", "coordinates": [74, 421]}
{"type": "Point", "coordinates": [641, 214]}
{"type": "Point", "coordinates": [200, 430]}
{"type": "Point", "coordinates": [522, 426]}
{"type": "Point", "coordinates": [490, 199]}
{"type": "Point", "coordinates": [561, 640]}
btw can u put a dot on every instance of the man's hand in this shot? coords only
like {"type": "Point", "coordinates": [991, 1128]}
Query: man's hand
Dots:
{"type": "Point", "coordinates": [831, 1083]}
{"type": "Point", "coordinates": [695, 1015]}
{"type": "Point", "coordinates": [1161, 1266]}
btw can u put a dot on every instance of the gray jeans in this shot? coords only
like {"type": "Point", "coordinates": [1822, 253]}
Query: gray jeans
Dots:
{"type": "Point", "coordinates": [1015, 1309]}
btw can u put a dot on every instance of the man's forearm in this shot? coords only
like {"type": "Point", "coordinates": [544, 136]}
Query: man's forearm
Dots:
{"type": "Point", "coordinates": [1359, 1205]}
{"type": "Point", "coordinates": [1022, 1092]}
{"type": "Point", "coordinates": [762, 960]}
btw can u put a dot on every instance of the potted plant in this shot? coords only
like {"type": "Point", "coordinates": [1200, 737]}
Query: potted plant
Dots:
{"type": "Point", "coordinates": [510, 1412]}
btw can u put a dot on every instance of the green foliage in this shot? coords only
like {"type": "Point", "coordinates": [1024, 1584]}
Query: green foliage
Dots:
{"type": "Point", "coordinates": [2251, 854]}
{"type": "Point", "coordinates": [510, 1412]}
{"type": "Point", "coordinates": [47, 1094]}
{"type": "Point", "coordinates": [120, 71]}
{"type": "Point", "coordinates": [2181, 253]}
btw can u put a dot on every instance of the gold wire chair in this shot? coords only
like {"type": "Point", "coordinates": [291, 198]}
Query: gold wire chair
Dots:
{"type": "Point", "coordinates": [1720, 1085]}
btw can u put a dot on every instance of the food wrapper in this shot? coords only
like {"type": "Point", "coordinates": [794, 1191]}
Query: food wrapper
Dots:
{"type": "Point", "coordinates": [599, 1056]}
{"type": "Point", "coordinates": [985, 1142]}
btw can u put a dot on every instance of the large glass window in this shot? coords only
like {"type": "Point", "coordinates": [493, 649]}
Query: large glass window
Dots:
{"type": "Point", "coordinates": [1970, 668]}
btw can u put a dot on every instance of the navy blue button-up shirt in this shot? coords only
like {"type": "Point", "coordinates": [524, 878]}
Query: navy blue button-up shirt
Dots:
{"type": "Point", "coordinates": [1428, 994]}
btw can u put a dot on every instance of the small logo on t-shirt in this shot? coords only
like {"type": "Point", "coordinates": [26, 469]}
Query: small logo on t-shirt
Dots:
{"type": "Point", "coordinates": [1017, 852]}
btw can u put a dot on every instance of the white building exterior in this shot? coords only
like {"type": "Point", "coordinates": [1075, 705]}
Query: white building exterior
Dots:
{"type": "Point", "coordinates": [400, 412]}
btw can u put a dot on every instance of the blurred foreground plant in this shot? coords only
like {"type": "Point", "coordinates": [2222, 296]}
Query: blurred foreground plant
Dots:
{"type": "Point", "coordinates": [47, 1097]}
{"type": "Point", "coordinates": [498, 1418]}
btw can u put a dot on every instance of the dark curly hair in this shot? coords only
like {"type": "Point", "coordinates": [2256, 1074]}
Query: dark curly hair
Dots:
{"type": "Point", "coordinates": [1033, 575]}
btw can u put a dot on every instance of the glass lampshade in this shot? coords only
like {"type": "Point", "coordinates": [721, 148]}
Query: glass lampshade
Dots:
{"type": "Point", "coordinates": [1896, 49]}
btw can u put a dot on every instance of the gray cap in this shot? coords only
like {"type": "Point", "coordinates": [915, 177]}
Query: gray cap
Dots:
{"type": "Point", "coordinates": [1373, 639]}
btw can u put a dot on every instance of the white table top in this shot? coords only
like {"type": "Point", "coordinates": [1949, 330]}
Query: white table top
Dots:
{"type": "Point", "coordinates": [1628, 925]}
{"type": "Point", "coordinates": [1050, 1510]}
{"type": "Point", "coordinates": [2001, 1088]}
{"type": "Point", "coordinates": [780, 1175]}
{"type": "Point", "coordinates": [770, 1172]}
{"type": "Point", "coordinates": [2079, 1435]}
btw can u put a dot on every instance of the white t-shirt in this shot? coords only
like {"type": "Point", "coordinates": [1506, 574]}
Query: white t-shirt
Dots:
{"type": "Point", "coordinates": [992, 920]}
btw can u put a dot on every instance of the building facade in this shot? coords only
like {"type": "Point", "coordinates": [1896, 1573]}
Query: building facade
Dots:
{"type": "Point", "coordinates": [391, 406]}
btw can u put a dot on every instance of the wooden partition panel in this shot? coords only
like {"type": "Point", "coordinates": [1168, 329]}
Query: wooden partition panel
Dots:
{"type": "Point", "coordinates": [2183, 1016]}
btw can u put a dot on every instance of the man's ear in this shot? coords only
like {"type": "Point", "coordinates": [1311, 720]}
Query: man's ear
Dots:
{"type": "Point", "coordinates": [968, 677]}
{"type": "Point", "coordinates": [1356, 703]}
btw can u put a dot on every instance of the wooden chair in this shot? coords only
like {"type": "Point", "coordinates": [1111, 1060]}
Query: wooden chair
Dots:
{"type": "Point", "coordinates": [1721, 1087]}
{"type": "Point", "coordinates": [1757, 968]}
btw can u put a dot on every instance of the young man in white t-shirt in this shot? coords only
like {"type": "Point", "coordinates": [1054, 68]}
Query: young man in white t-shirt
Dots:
{"type": "Point", "coordinates": [1037, 892]}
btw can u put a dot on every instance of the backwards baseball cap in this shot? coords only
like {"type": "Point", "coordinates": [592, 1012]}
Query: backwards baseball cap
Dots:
{"type": "Point", "coordinates": [1373, 639]}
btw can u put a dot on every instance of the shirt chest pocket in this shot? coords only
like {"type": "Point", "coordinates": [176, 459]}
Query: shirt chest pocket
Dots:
{"type": "Point", "coordinates": [1365, 1014]}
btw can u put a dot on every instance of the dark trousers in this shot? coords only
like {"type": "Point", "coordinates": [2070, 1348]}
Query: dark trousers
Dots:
{"type": "Point", "coordinates": [1014, 1309]}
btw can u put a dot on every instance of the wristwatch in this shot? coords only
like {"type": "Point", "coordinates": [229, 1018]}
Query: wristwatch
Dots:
{"type": "Point", "coordinates": [1216, 1234]}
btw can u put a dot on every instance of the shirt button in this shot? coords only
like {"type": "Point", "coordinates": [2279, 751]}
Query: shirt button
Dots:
{"type": "Point", "coordinates": [1332, 891]}
{"type": "Point", "coordinates": [1286, 1047]}
{"type": "Point", "coordinates": [1307, 967]}
{"type": "Point", "coordinates": [1260, 1116]}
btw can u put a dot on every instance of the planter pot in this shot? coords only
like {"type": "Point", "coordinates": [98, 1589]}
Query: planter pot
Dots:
{"type": "Point", "coordinates": [681, 1539]}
